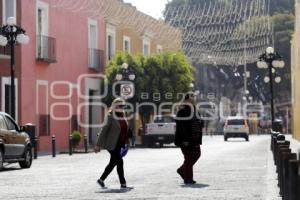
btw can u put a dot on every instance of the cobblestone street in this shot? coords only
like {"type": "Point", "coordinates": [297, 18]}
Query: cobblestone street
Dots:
{"type": "Point", "coordinates": [227, 170]}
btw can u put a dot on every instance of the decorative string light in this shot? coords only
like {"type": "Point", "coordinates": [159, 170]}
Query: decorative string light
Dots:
{"type": "Point", "coordinates": [231, 32]}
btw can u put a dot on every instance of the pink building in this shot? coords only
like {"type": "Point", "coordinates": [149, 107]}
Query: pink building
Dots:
{"type": "Point", "coordinates": [63, 45]}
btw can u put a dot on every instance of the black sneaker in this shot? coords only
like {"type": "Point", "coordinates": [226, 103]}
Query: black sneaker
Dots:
{"type": "Point", "coordinates": [101, 183]}
{"type": "Point", "coordinates": [180, 174]}
{"type": "Point", "coordinates": [123, 186]}
{"type": "Point", "coordinates": [190, 182]}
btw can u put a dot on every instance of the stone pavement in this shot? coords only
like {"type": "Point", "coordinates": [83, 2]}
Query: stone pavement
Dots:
{"type": "Point", "coordinates": [234, 170]}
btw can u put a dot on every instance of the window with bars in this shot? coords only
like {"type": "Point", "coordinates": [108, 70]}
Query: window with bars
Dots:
{"type": "Point", "coordinates": [44, 125]}
{"type": "Point", "coordinates": [110, 47]}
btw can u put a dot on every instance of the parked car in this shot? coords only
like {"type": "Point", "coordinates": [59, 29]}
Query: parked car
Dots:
{"type": "Point", "coordinates": [161, 131]}
{"type": "Point", "coordinates": [15, 145]}
{"type": "Point", "coordinates": [236, 127]}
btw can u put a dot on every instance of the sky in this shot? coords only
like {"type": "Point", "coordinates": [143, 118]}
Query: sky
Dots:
{"type": "Point", "coordinates": [150, 7]}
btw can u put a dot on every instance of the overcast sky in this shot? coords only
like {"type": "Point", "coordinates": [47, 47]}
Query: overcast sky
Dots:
{"type": "Point", "coordinates": [150, 7]}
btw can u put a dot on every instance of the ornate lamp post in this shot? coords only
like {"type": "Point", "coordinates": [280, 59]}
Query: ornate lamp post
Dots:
{"type": "Point", "coordinates": [126, 73]}
{"type": "Point", "coordinates": [11, 34]}
{"type": "Point", "coordinates": [192, 86]}
{"type": "Point", "coordinates": [271, 60]}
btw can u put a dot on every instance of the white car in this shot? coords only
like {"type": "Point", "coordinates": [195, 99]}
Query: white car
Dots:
{"type": "Point", "coordinates": [161, 131]}
{"type": "Point", "coordinates": [235, 127]}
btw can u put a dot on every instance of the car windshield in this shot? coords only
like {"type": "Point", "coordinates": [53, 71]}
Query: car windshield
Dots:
{"type": "Point", "coordinates": [164, 119]}
{"type": "Point", "coordinates": [236, 122]}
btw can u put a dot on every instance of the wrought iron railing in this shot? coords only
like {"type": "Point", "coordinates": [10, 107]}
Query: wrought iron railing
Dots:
{"type": "Point", "coordinates": [96, 59]}
{"type": "Point", "coordinates": [4, 52]}
{"type": "Point", "coordinates": [46, 48]}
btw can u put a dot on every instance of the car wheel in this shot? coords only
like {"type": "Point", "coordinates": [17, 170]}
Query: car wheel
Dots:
{"type": "Point", "coordinates": [161, 145]}
{"type": "Point", "coordinates": [247, 139]}
{"type": "Point", "coordinates": [27, 159]}
{"type": "Point", "coordinates": [225, 139]}
{"type": "Point", "coordinates": [1, 159]}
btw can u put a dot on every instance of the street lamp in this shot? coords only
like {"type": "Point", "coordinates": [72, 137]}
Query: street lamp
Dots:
{"type": "Point", "coordinates": [250, 98]}
{"type": "Point", "coordinates": [192, 86]}
{"type": "Point", "coordinates": [125, 73]}
{"type": "Point", "coordinates": [271, 60]}
{"type": "Point", "coordinates": [11, 34]}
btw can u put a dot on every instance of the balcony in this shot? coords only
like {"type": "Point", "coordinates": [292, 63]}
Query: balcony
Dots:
{"type": "Point", "coordinates": [46, 49]}
{"type": "Point", "coordinates": [96, 59]}
{"type": "Point", "coordinates": [4, 52]}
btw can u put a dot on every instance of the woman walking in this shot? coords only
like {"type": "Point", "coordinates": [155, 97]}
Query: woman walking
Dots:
{"type": "Point", "coordinates": [113, 137]}
{"type": "Point", "coordinates": [188, 137]}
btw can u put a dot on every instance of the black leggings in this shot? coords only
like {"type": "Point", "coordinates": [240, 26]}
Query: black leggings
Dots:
{"type": "Point", "coordinates": [115, 160]}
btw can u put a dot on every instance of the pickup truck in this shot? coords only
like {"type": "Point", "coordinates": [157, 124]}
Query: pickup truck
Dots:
{"type": "Point", "coordinates": [161, 131]}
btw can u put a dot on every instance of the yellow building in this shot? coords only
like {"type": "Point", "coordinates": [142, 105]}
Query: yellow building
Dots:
{"type": "Point", "coordinates": [296, 73]}
{"type": "Point", "coordinates": [137, 33]}
{"type": "Point", "coordinates": [128, 29]}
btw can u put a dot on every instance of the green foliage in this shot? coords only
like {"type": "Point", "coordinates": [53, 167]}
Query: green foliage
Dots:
{"type": "Point", "coordinates": [248, 28]}
{"type": "Point", "coordinates": [161, 73]}
{"type": "Point", "coordinates": [76, 137]}
{"type": "Point", "coordinates": [283, 30]}
{"type": "Point", "coordinates": [282, 6]}
{"type": "Point", "coordinates": [275, 5]}
{"type": "Point", "coordinates": [282, 18]}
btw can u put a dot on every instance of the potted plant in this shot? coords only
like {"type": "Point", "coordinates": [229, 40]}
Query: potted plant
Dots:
{"type": "Point", "coordinates": [76, 137]}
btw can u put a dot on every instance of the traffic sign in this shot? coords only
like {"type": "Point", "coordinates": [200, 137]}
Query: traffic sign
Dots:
{"type": "Point", "coordinates": [127, 91]}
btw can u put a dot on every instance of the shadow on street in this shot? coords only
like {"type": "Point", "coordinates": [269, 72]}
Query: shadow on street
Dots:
{"type": "Point", "coordinates": [197, 185]}
{"type": "Point", "coordinates": [115, 190]}
{"type": "Point", "coordinates": [8, 169]}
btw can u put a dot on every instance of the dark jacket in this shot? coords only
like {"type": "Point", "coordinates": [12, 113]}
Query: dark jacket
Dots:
{"type": "Point", "coordinates": [188, 130]}
{"type": "Point", "coordinates": [110, 133]}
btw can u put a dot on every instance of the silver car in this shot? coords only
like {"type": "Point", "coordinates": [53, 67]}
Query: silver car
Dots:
{"type": "Point", "coordinates": [236, 127]}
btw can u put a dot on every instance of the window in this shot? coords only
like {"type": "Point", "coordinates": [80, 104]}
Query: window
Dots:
{"type": "Point", "coordinates": [44, 125]}
{"type": "Point", "coordinates": [7, 104]}
{"type": "Point", "coordinates": [93, 53]}
{"type": "Point", "coordinates": [6, 96]}
{"type": "Point", "coordinates": [236, 122]}
{"type": "Point", "coordinates": [110, 41]}
{"type": "Point", "coordinates": [126, 44]}
{"type": "Point", "coordinates": [2, 123]}
{"type": "Point", "coordinates": [146, 49]}
{"type": "Point", "coordinates": [159, 49]}
{"type": "Point", "coordinates": [42, 18]}
{"type": "Point", "coordinates": [10, 124]}
{"type": "Point", "coordinates": [39, 20]}
{"type": "Point", "coordinates": [110, 48]}
{"type": "Point", "coordinates": [93, 34]}
{"type": "Point", "coordinates": [43, 44]}
{"type": "Point", "coordinates": [9, 9]}
{"type": "Point", "coordinates": [146, 46]}
{"type": "Point", "coordinates": [164, 119]}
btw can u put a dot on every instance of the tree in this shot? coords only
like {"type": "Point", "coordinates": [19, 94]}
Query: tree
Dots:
{"type": "Point", "coordinates": [282, 18]}
{"type": "Point", "coordinates": [157, 74]}
{"type": "Point", "coordinates": [283, 30]}
{"type": "Point", "coordinates": [282, 6]}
